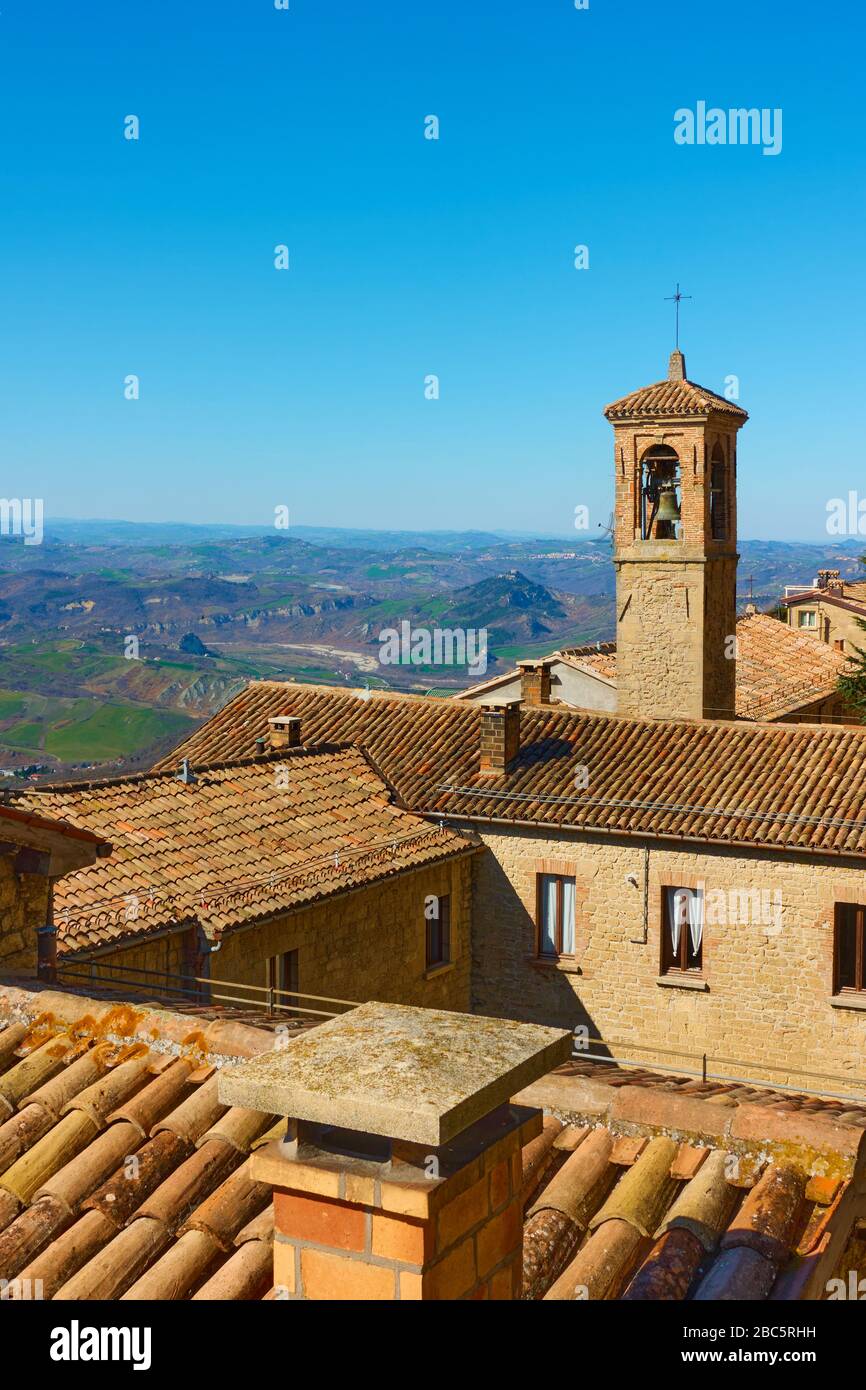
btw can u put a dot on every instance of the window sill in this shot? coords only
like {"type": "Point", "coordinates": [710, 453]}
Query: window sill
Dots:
{"type": "Point", "coordinates": [849, 1001]}
{"type": "Point", "coordinates": [682, 982]}
{"type": "Point", "coordinates": [566, 965]}
{"type": "Point", "coordinates": [433, 971]}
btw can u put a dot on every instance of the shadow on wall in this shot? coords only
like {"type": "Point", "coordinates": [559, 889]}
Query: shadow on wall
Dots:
{"type": "Point", "coordinates": [508, 980]}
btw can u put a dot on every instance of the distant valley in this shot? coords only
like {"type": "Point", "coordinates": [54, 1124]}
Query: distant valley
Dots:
{"type": "Point", "coordinates": [117, 639]}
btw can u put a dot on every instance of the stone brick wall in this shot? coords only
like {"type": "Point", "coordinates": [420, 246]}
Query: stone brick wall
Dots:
{"type": "Point", "coordinates": [369, 944]}
{"type": "Point", "coordinates": [766, 994]}
{"type": "Point", "coordinates": [171, 954]}
{"type": "Point", "coordinates": [24, 906]}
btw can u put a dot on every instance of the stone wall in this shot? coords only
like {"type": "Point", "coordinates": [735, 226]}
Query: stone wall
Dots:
{"type": "Point", "coordinates": [765, 999]}
{"type": "Point", "coordinates": [23, 909]}
{"type": "Point", "coordinates": [369, 944]}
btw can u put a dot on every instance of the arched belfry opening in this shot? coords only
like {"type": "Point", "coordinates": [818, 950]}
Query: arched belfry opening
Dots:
{"type": "Point", "coordinates": [718, 494]}
{"type": "Point", "coordinates": [661, 514]}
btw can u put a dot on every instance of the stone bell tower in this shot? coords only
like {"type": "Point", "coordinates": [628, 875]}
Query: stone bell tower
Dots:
{"type": "Point", "coordinates": [675, 548]}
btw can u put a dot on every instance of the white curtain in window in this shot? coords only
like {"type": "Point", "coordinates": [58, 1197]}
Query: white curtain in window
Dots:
{"type": "Point", "coordinates": [548, 914]}
{"type": "Point", "coordinates": [678, 915]}
{"type": "Point", "coordinates": [696, 920]}
{"type": "Point", "coordinates": [568, 916]}
{"type": "Point", "coordinates": [686, 913]}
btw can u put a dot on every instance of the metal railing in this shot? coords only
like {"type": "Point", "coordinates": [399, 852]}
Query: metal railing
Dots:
{"type": "Point", "coordinates": [706, 1060]}
{"type": "Point", "coordinates": [202, 992]}
{"type": "Point", "coordinates": [267, 1003]}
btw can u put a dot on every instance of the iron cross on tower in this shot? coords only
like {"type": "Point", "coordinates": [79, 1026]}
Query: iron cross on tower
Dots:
{"type": "Point", "coordinates": [676, 298]}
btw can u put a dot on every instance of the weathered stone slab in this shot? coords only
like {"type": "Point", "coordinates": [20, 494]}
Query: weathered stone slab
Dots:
{"type": "Point", "coordinates": [421, 1075]}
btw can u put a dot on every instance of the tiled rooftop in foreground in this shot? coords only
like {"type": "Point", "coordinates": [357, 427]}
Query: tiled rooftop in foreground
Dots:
{"type": "Point", "coordinates": [125, 1174]}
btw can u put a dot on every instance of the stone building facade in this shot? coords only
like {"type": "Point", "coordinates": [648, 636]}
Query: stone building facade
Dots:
{"type": "Point", "coordinates": [367, 944]}
{"type": "Point", "coordinates": [764, 994]}
{"type": "Point", "coordinates": [293, 872]}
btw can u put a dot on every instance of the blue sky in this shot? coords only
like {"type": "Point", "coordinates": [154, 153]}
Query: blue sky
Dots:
{"type": "Point", "coordinates": [410, 257]}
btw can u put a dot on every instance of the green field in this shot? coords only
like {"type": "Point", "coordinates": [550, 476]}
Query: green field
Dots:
{"type": "Point", "coordinates": [114, 731]}
{"type": "Point", "coordinates": [82, 730]}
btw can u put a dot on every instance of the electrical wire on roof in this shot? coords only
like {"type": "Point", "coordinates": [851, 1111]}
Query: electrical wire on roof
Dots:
{"type": "Point", "coordinates": [732, 813]}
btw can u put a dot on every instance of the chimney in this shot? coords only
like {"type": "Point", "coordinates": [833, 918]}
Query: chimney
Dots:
{"type": "Point", "coordinates": [284, 731]}
{"type": "Point", "coordinates": [500, 736]}
{"type": "Point", "coordinates": [534, 682]}
{"type": "Point", "coordinates": [400, 1179]}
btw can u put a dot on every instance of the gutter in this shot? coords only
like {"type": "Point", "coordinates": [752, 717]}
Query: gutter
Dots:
{"type": "Point", "coordinates": [145, 937]}
{"type": "Point", "coordinates": [647, 837]}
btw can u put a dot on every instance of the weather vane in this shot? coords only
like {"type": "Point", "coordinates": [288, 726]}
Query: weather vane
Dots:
{"type": "Point", "coordinates": [676, 298]}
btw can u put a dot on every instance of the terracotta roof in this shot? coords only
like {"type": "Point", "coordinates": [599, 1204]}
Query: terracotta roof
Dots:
{"type": "Point", "coordinates": [851, 597]}
{"type": "Point", "coordinates": [672, 398]}
{"type": "Point", "coordinates": [644, 1187]}
{"type": "Point", "coordinates": [779, 670]}
{"type": "Point", "coordinates": [14, 816]}
{"type": "Point", "coordinates": [121, 1175]}
{"type": "Point", "coordinates": [241, 841]}
{"type": "Point", "coordinates": [680, 779]}
{"type": "Point", "coordinates": [600, 660]}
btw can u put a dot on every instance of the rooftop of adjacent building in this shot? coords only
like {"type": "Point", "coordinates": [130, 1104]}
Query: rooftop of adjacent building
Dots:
{"type": "Point", "coordinates": [768, 652]}
{"type": "Point", "coordinates": [829, 587]}
{"type": "Point", "coordinates": [710, 782]}
{"type": "Point", "coordinates": [230, 842]}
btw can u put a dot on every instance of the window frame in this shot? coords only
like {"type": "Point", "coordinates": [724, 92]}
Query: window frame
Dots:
{"type": "Point", "coordinates": [281, 976]}
{"type": "Point", "coordinates": [557, 953]}
{"type": "Point", "coordinates": [859, 910]}
{"type": "Point", "coordinates": [667, 964]}
{"type": "Point", "coordinates": [810, 613]}
{"type": "Point", "coordinates": [442, 922]}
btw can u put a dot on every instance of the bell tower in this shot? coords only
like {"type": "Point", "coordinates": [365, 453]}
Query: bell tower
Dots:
{"type": "Point", "coordinates": [675, 548]}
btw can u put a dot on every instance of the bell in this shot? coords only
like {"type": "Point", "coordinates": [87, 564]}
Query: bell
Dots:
{"type": "Point", "coordinates": [669, 507]}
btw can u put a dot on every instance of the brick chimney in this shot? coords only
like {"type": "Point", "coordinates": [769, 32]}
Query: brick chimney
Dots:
{"type": "Point", "coordinates": [500, 736]}
{"type": "Point", "coordinates": [284, 731]}
{"type": "Point", "coordinates": [534, 682]}
{"type": "Point", "coordinates": [400, 1174]}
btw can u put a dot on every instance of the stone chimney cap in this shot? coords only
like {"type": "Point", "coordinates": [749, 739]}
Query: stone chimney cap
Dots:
{"type": "Point", "coordinates": [677, 366]}
{"type": "Point", "coordinates": [421, 1075]}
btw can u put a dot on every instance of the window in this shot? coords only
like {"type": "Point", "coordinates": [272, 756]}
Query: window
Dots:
{"type": "Point", "coordinates": [659, 480]}
{"type": "Point", "coordinates": [555, 915]}
{"type": "Point", "coordinates": [682, 930]}
{"type": "Point", "coordinates": [807, 617]}
{"type": "Point", "coordinates": [282, 974]}
{"type": "Point", "coordinates": [718, 496]}
{"type": "Point", "coordinates": [438, 914]}
{"type": "Point", "coordinates": [850, 948]}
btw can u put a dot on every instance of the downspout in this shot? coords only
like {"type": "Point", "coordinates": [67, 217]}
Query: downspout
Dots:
{"type": "Point", "coordinates": [632, 878]}
{"type": "Point", "coordinates": [46, 944]}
